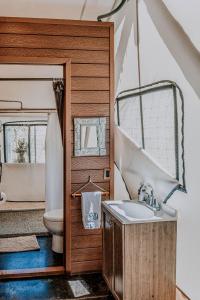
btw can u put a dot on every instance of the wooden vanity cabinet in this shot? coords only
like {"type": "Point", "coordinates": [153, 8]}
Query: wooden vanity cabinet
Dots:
{"type": "Point", "coordinates": [108, 255]}
{"type": "Point", "coordinates": [139, 260]}
{"type": "Point", "coordinates": [113, 254]}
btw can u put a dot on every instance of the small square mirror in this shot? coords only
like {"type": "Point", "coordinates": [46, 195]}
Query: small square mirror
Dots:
{"type": "Point", "coordinates": [90, 136]}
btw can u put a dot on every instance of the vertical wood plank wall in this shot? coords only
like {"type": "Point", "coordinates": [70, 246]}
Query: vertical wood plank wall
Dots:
{"type": "Point", "coordinates": [90, 47]}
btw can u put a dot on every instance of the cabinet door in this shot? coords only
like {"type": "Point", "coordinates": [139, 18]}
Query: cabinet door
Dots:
{"type": "Point", "coordinates": [118, 261]}
{"type": "Point", "coordinates": [108, 249]}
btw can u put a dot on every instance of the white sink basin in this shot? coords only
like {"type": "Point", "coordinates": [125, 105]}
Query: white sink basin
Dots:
{"type": "Point", "coordinates": [131, 210]}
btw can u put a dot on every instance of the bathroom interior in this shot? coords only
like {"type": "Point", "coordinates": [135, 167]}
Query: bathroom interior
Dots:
{"type": "Point", "coordinates": [29, 162]}
{"type": "Point", "coordinates": [99, 170]}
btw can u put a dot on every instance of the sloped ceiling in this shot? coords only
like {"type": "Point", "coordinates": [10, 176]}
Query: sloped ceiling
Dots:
{"type": "Point", "coordinates": [187, 14]}
{"type": "Point", "coordinates": [58, 9]}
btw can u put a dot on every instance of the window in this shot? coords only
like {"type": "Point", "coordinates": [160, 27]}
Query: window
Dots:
{"type": "Point", "coordinates": [153, 117]}
{"type": "Point", "coordinates": [24, 142]}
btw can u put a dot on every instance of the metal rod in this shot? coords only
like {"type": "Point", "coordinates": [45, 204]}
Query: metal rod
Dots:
{"type": "Point", "coordinates": [169, 82]}
{"type": "Point", "coordinates": [83, 9]}
{"type": "Point", "coordinates": [74, 195]}
{"type": "Point", "coordinates": [30, 79]}
{"type": "Point", "coordinates": [176, 135]}
{"type": "Point", "coordinates": [4, 143]}
{"type": "Point", "coordinates": [113, 6]}
{"type": "Point", "coordinates": [13, 101]}
{"type": "Point", "coordinates": [112, 12]}
{"type": "Point", "coordinates": [140, 92]}
{"type": "Point", "coordinates": [27, 123]}
{"type": "Point", "coordinates": [139, 77]}
{"type": "Point", "coordinates": [118, 115]}
{"type": "Point", "coordinates": [29, 144]}
{"type": "Point", "coordinates": [27, 110]}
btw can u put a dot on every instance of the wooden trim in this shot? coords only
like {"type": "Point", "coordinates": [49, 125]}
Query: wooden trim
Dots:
{"type": "Point", "coordinates": [67, 169]}
{"type": "Point", "coordinates": [34, 60]}
{"type": "Point", "coordinates": [54, 21]}
{"type": "Point", "coordinates": [112, 111]}
{"type": "Point", "coordinates": [30, 273]}
{"type": "Point", "coordinates": [66, 62]}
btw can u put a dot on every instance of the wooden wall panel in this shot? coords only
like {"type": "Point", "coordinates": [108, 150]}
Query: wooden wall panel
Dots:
{"type": "Point", "coordinates": [90, 163]}
{"type": "Point", "coordinates": [82, 242]}
{"type": "Point", "coordinates": [81, 267]}
{"type": "Point", "coordinates": [77, 229]}
{"type": "Point", "coordinates": [82, 176]}
{"type": "Point", "coordinates": [89, 45]}
{"type": "Point", "coordinates": [55, 42]}
{"type": "Point", "coordinates": [90, 84]}
{"type": "Point", "coordinates": [98, 97]}
{"type": "Point", "coordinates": [91, 110]}
{"type": "Point", "coordinates": [50, 29]}
{"type": "Point", "coordinates": [104, 185]}
{"type": "Point", "coordinates": [77, 56]}
{"type": "Point", "coordinates": [90, 70]}
{"type": "Point", "coordinates": [86, 254]}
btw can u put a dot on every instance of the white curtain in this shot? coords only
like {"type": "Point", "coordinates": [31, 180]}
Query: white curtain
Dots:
{"type": "Point", "coordinates": [54, 164]}
{"type": "Point", "coordinates": [137, 167]}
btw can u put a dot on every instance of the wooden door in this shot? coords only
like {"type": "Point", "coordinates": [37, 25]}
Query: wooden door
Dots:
{"type": "Point", "coordinates": [108, 249]}
{"type": "Point", "coordinates": [118, 260]}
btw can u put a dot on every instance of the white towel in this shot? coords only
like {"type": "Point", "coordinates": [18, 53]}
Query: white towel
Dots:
{"type": "Point", "coordinates": [91, 210]}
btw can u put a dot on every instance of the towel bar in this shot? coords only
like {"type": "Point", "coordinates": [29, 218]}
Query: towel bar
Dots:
{"type": "Point", "coordinates": [74, 195]}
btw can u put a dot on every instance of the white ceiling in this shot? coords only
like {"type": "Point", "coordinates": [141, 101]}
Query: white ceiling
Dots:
{"type": "Point", "coordinates": [187, 14]}
{"type": "Point", "coordinates": [57, 9]}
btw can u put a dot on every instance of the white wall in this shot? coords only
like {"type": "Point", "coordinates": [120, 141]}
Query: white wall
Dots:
{"type": "Point", "coordinates": [35, 94]}
{"type": "Point", "coordinates": [157, 63]}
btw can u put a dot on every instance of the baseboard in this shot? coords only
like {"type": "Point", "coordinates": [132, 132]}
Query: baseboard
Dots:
{"type": "Point", "coordinates": [32, 273]}
{"type": "Point", "coordinates": [181, 295]}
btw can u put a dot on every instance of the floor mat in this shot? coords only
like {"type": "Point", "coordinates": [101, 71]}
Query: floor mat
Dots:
{"type": "Point", "coordinates": [78, 288]}
{"type": "Point", "coordinates": [18, 223]}
{"type": "Point", "coordinates": [19, 244]}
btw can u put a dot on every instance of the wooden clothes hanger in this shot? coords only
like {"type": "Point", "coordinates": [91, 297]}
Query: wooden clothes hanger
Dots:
{"type": "Point", "coordinates": [78, 192]}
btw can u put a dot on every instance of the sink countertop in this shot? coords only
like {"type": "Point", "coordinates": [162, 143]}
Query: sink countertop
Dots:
{"type": "Point", "coordinates": [166, 214]}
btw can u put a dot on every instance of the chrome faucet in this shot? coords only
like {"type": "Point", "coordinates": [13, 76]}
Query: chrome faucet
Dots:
{"type": "Point", "coordinates": [146, 194]}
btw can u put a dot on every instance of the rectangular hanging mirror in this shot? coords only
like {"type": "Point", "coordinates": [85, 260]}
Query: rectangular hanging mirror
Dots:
{"type": "Point", "coordinates": [90, 136]}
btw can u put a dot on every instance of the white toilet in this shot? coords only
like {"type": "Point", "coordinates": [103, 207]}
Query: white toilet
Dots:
{"type": "Point", "coordinates": [53, 221]}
